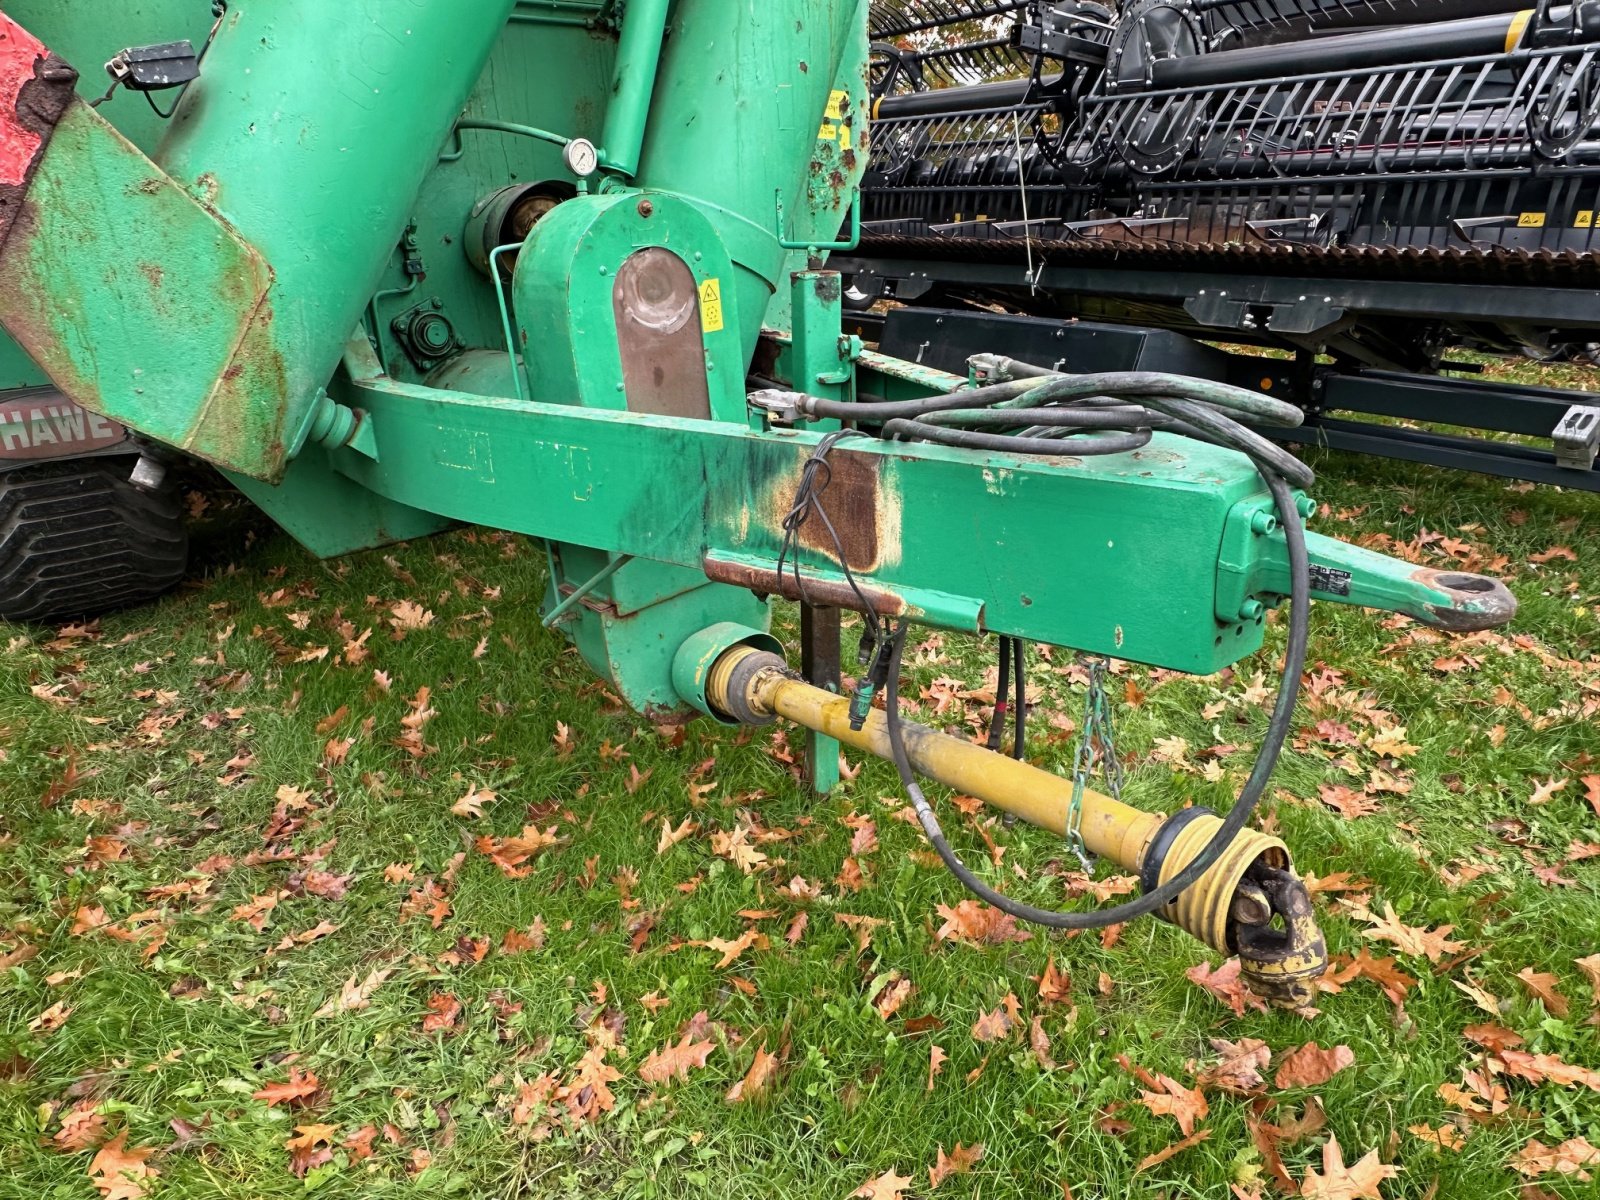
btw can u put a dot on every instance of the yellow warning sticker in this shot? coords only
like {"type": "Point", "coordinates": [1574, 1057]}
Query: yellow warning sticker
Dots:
{"type": "Point", "coordinates": [1585, 219]}
{"type": "Point", "coordinates": [1531, 221]}
{"type": "Point", "coordinates": [711, 319]}
{"type": "Point", "coordinates": [834, 128]}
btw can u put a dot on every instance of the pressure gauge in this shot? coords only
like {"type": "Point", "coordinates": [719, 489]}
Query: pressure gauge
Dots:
{"type": "Point", "coordinates": [582, 159]}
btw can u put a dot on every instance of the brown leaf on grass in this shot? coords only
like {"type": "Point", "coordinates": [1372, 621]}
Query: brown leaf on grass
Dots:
{"type": "Point", "coordinates": [737, 849]}
{"type": "Point", "coordinates": [1312, 1066]}
{"type": "Point", "coordinates": [863, 927]}
{"type": "Point", "coordinates": [757, 1079]}
{"type": "Point", "coordinates": [1363, 1179]}
{"type": "Point", "coordinates": [936, 1061]}
{"type": "Point", "coordinates": [1542, 985]}
{"type": "Point", "coordinates": [317, 932]}
{"type": "Point", "coordinates": [1432, 944]}
{"type": "Point", "coordinates": [1054, 987]}
{"type": "Point", "coordinates": [679, 1060]}
{"type": "Point", "coordinates": [518, 942]}
{"type": "Point", "coordinates": [444, 1010]}
{"type": "Point", "coordinates": [959, 1161]}
{"type": "Point", "coordinates": [359, 1143]}
{"type": "Point", "coordinates": [1569, 1158]}
{"type": "Point", "coordinates": [1590, 967]}
{"type": "Point", "coordinates": [1270, 1137]}
{"type": "Point", "coordinates": [1542, 1068]}
{"type": "Point", "coordinates": [82, 1126]}
{"type": "Point", "coordinates": [588, 1093]}
{"type": "Point", "coordinates": [1187, 1105]}
{"type": "Point", "coordinates": [670, 837]}
{"type": "Point", "coordinates": [1239, 1071]}
{"type": "Point", "coordinates": [894, 993]}
{"type": "Point", "coordinates": [998, 1024]}
{"type": "Point", "coordinates": [257, 911]}
{"type": "Point", "coordinates": [1493, 1037]}
{"type": "Point", "coordinates": [311, 1147]}
{"type": "Point", "coordinates": [471, 805]}
{"type": "Point", "coordinates": [1347, 802]}
{"type": "Point", "coordinates": [51, 1019]}
{"type": "Point", "coordinates": [298, 1087]}
{"type": "Point", "coordinates": [977, 924]}
{"type": "Point", "coordinates": [887, 1186]}
{"type": "Point", "coordinates": [1446, 1137]}
{"type": "Point", "coordinates": [354, 996]}
{"type": "Point", "coordinates": [1039, 1043]}
{"type": "Point", "coordinates": [1224, 983]}
{"type": "Point", "coordinates": [1386, 973]}
{"type": "Point", "coordinates": [731, 950]}
{"type": "Point", "coordinates": [509, 854]}
{"type": "Point", "coordinates": [1479, 995]}
{"type": "Point", "coordinates": [119, 1173]}
{"type": "Point", "coordinates": [1172, 1151]}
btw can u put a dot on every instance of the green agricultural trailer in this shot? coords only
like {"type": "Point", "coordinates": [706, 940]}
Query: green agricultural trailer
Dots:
{"type": "Point", "coordinates": [560, 267]}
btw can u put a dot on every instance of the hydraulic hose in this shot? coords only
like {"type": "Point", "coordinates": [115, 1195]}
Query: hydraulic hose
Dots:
{"type": "Point", "coordinates": [1249, 797]}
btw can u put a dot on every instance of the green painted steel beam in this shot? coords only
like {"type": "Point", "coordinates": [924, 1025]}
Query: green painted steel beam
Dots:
{"type": "Point", "coordinates": [1117, 555]}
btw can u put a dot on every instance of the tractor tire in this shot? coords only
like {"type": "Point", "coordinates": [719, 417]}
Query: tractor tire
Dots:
{"type": "Point", "coordinates": [77, 539]}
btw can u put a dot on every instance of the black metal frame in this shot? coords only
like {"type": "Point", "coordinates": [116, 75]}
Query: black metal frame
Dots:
{"type": "Point", "coordinates": [944, 339]}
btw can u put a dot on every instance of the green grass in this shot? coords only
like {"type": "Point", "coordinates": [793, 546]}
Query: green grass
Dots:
{"type": "Point", "coordinates": [142, 715]}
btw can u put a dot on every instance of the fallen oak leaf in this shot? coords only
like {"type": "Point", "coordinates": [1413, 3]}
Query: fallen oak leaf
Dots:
{"type": "Point", "coordinates": [312, 1146]}
{"type": "Point", "coordinates": [1187, 1105]}
{"type": "Point", "coordinates": [731, 951]}
{"type": "Point", "coordinates": [894, 993]}
{"type": "Point", "coordinates": [1312, 1066]}
{"type": "Point", "coordinates": [936, 1061]}
{"type": "Point", "coordinates": [1542, 1068]}
{"type": "Point", "coordinates": [354, 996]}
{"type": "Point", "coordinates": [1590, 966]}
{"type": "Point", "coordinates": [1569, 1158]}
{"type": "Point", "coordinates": [888, 1186]}
{"type": "Point", "coordinates": [1338, 1182]}
{"type": "Point", "coordinates": [119, 1173]}
{"type": "Point", "coordinates": [677, 1060]}
{"type": "Point", "coordinates": [670, 837]}
{"type": "Point", "coordinates": [1224, 983]}
{"type": "Point", "coordinates": [1542, 985]}
{"type": "Point", "coordinates": [471, 805]}
{"type": "Point", "coordinates": [1239, 1071]}
{"type": "Point", "coordinates": [757, 1079]}
{"type": "Point", "coordinates": [998, 1024]}
{"type": "Point", "coordinates": [1446, 1137]}
{"type": "Point", "coordinates": [82, 1126]}
{"type": "Point", "coordinates": [959, 1161]}
{"type": "Point", "coordinates": [299, 1086]}
{"type": "Point", "coordinates": [1432, 944]}
{"type": "Point", "coordinates": [1172, 1151]}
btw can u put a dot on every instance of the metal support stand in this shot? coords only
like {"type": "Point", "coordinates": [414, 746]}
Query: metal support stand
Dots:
{"type": "Point", "coordinates": [819, 662]}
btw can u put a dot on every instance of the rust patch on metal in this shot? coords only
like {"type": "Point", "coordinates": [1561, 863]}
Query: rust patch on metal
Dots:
{"type": "Point", "coordinates": [1481, 602]}
{"type": "Point", "coordinates": [850, 492]}
{"type": "Point", "coordinates": [36, 87]}
{"type": "Point", "coordinates": [824, 593]}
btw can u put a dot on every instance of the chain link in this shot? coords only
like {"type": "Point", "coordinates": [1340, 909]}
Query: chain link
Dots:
{"type": "Point", "coordinates": [1096, 741]}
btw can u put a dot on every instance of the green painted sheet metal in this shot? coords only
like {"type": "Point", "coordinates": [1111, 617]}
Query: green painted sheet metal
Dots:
{"type": "Point", "coordinates": [744, 89]}
{"type": "Point", "coordinates": [138, 302]}
{"type": "Point", "coordinates": [945, 533]}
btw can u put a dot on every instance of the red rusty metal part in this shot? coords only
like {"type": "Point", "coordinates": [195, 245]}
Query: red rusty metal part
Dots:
{"type": "Point", "coordinates": [825, 593]}
{"type": "Point", "coordinates": [35, 89]}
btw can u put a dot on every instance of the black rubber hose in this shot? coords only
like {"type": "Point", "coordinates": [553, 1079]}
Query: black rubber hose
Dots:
{"type": "Point", "coordinates": [1002, 694]}
{"type": "Point", "coordinates": [1019, 718]}
{"type": "Point", "coordinates": [1277, 735]}
{"type": "Point", "coordinates": [1087, 444]}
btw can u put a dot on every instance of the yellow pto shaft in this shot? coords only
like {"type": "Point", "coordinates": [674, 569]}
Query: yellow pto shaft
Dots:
{"type": "Point", "coordinates": [1248, 903]}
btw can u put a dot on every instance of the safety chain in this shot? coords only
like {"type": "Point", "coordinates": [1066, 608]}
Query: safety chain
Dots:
{"type": "Point", "coordinates": [1098, 739]}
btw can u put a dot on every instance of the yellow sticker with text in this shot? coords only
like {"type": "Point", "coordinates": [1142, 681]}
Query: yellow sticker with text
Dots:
{"type": "Point", "coordinates": [833, 127]}
{"type": "Point", "coordinates": [711, 318]}
{"type": "Point", "coordinates": [1531, 221]}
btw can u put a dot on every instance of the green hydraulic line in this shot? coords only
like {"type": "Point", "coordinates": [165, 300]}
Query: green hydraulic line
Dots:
{"type": "Point", "coordinates": [644, 29]}
{"type": "Point", "coordinates": [511, 127]}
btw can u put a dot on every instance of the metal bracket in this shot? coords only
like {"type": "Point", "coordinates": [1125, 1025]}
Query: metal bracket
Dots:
{"type": "Point", "coordinates": [1577, 438]}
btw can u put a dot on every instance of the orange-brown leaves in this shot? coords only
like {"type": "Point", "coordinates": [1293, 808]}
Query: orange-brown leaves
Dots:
{"type": "Point", "coordinates": [1312, 1066]}
{"type": "Point", "coordinates": [676, 1061]}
